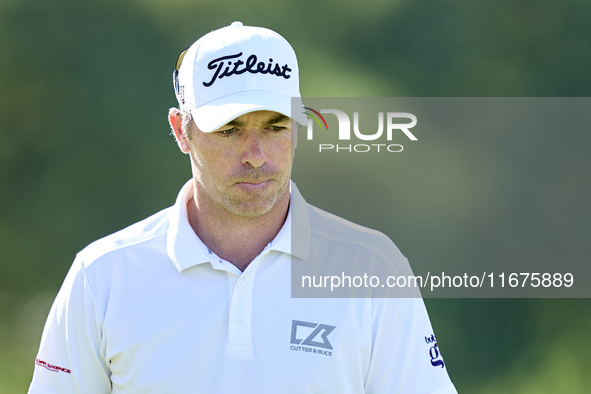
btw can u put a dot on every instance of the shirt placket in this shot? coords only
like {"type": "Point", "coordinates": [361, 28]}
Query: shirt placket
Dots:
{"type": "Point", "coordinates": [241, 302]}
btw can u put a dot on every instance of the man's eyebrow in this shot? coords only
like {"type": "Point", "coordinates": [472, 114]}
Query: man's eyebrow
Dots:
{"type": "Point", "coordinates": [235, 122]}
{"type": "Point", "coordinates": [277, 119]}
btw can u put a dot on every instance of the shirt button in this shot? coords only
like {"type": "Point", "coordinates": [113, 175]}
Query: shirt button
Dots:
{"type": "Point", "coordinates": [241, 284]}
{"type": "Point", "coordinates": [239, 319]}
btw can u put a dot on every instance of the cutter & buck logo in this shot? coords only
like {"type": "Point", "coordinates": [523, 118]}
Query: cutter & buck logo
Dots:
{"type": "Point", "coordinates": [394, 124]}
{"type": "Point", "coordinates": [313, 335]}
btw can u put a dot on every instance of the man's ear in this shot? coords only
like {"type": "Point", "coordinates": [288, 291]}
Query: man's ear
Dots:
{"type": "Point", "coordinates": [176, 122]}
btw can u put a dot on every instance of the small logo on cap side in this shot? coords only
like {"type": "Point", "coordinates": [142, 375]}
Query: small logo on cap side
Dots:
{"type": "Point", "coordinates": [182, 93]}
{"type": "Point", "coordinates": [250, 65]}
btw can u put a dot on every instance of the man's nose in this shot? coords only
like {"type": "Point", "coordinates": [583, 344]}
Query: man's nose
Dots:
{"type": "Point", "coordinates": [254, 152]}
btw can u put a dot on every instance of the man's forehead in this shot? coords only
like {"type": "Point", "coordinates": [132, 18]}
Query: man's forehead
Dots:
{"type": "Point", "coordinates": [257, 117]}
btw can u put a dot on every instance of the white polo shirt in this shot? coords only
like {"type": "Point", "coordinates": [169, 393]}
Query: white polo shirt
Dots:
{"type": "Point", "coordinates": [150, 309]}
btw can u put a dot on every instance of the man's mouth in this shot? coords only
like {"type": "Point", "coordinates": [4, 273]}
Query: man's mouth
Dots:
{"type": "Point", "coordinates": [254, 185]}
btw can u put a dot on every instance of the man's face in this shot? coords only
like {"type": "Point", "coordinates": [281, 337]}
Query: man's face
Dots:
{"type": "Point", "coordinates": [243, 168]}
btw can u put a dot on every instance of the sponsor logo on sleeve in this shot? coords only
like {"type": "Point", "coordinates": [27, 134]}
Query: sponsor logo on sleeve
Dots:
{"type": "Point", "coordinates": [436, 359]}
{"type": "Point", "coordinates": [52, 368]}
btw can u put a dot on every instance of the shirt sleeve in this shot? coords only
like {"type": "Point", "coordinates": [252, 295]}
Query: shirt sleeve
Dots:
{"type": "Point", "coordinates": [70, 358]}
{"type": "Point", "coordinates": [405, 357]}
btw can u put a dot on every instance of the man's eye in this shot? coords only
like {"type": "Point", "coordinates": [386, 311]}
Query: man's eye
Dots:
{"type": "Point", "coordinates": [277, 128]}
{"type": "Point", "coordinates": [227, 131]}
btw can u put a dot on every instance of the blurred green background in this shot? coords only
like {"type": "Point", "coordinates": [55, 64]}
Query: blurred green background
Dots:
{"type": "Point", "coordinates": [85, 150]}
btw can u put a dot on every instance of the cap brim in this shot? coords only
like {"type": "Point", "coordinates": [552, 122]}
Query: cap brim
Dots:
{"type": "Point", "coordinates": [215, 114]}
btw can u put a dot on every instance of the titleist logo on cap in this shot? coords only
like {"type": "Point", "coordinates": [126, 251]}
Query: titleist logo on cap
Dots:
{"type": "Point", "coordinates": [250, 65]}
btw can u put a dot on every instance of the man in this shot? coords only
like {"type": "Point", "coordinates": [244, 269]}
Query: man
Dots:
{"type": "Point", "coordinates": [196, 298]}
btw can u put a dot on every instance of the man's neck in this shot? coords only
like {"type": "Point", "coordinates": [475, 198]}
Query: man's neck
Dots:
{"type": "Point", "coordinates": [236, 239]}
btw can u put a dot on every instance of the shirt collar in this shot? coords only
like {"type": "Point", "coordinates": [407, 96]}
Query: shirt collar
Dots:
{"type": "Point", "coordinates": [185, 249]}
{"type": "Point", "coordinates": [295, 235]}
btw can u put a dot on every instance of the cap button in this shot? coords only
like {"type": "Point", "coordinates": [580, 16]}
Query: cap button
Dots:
{"type": "Point", "coordinates": [237, 24]}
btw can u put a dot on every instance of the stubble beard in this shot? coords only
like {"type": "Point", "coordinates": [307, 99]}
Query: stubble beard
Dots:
{"type": "Point", "coordinates": [231, 202]}
{"type": "Point", "coordinates": [258, 204]}
{"type": "Point", "coordinates": [231, 205]}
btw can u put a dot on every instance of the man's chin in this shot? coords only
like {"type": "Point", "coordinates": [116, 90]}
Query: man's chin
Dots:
{"type": "Point", "coordinates": [251, 210]}
{"type": "Point", "coordinates": [258, 204]}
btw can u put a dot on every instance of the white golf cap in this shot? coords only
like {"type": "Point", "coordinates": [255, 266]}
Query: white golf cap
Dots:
{"type": "Point", "coordinates": [236, 70]}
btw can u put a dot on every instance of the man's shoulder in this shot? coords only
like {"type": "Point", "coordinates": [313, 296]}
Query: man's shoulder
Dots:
{"type": "Point", "coordinates": [137, 234]}
{"type": "Point", "coordinates": [331, 227]}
